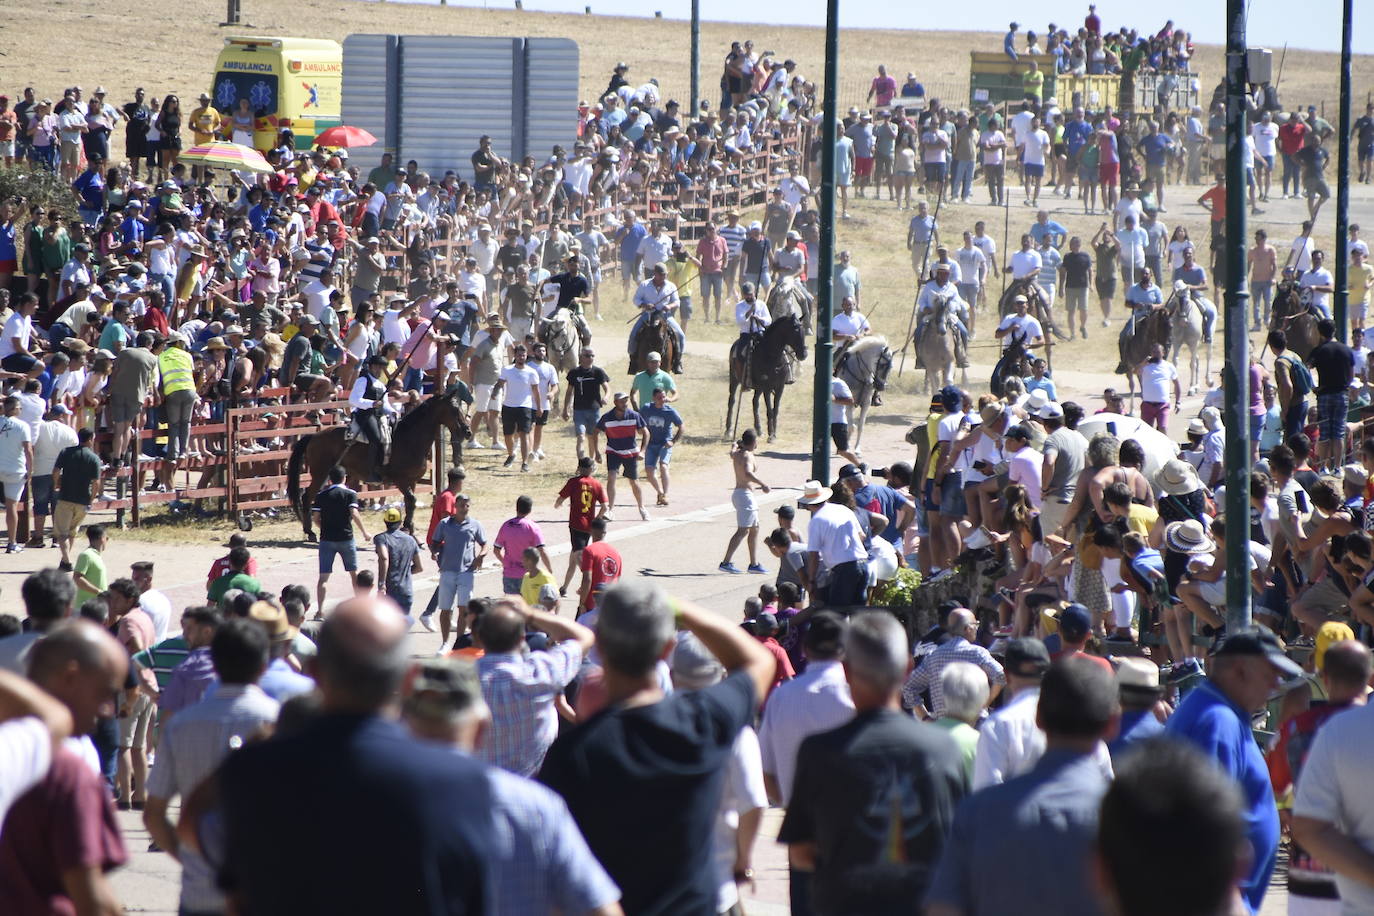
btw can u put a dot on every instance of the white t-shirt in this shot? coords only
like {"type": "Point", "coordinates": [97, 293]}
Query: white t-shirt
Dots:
{"type": "Point", "coordinates": [935, 143]}
{"type": "Point", "coordinates": [851, 325]}
{"type": "Point", "coordinates": [1302, 247]}
{"type": "Point", "coordinates": [1028, 325]}
{"type": "Point", "coordinates": [1035, 143]}
{"type": "Point", "coordinates": [31, 410]}
{"type": "Point", "coordinates": [14, 433]}
{"type": "Point", "coordinates": [317, 298]}
{"type": "Point", "coordinates": [839, 413]}
{"type": "Point", "coordinates": [519, 387]}
{"type": "Point", "coordinates": [53, 436]}
{"type": "Point", "coordinates": [1319, 277]}
{"type": "Point", "coordinates": [1155, 379]}
{"type": "Point", "coordinates": [1266, 138]}
{"type": "Point", "coordinates": [1019, 125]}
{"type": "Point", "coordinates": [158, 607]}
{"type": "Point", "coordinates": [17, 325]}
{"type": "Point", "coordinates": [987, 246]}
{"type": "Point", "coordinates": [794, 189]}
{"type": "Point", "coordinates": [548, 380]}
{"type": "Point", "coordinates": [1024, 467]}
{"type": "Point", "coordinates": [1335, 788]}
{"type": "Point", "coordinates": [394, 330]}
{"type": "Point", "coordinates": [1025, 264]}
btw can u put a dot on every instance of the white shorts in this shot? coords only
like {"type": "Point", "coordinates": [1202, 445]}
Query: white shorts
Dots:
{"type": "Point", "coordinates": [481, 398]}
{"type": "Point", "coordinates": [746, 510]}
{"type": "Point", "coordinates": [1123, 604]}
{"type": "Point", "coordinates": [1214, 593]}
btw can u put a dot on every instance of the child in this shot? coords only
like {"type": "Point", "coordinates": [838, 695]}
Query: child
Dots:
{"type": "Point", "coordinates": [535, 577]}
{"type": "Point", "coordinates": [768, 594]}
{"type": "Point", "coordinates": [1144, 573]}
{"type": "Point", "coordinates": [789, 604]}
{"type": "Point", "coordinates": [365, 585]}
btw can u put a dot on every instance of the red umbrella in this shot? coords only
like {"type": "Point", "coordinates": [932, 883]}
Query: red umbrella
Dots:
{"type": "Point", "coordinates": [344, 135]}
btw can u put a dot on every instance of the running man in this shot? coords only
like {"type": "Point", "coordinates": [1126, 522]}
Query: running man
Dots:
{"type": "Point", "coordinates": [665, 428]}
{"type": "Point", "coordinates": [742, 497]}
{"type": "Point", "coordinates": [626, 435]}
{"type": "Point", "coordinates": [587, 502]}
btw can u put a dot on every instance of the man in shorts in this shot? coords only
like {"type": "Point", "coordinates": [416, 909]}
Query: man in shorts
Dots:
{"type": "Point", "coordinates": [841, 402]}
{"type": "Point", "coordinates": [746, 509]}
{"type": "Point", "coordinates": [518, 386]}
{"type": "Point", "coordinates": [75, 481]}
{"type": "Point", "coordinates": [587, 501]}
{"type": "Point", "coordinates": [626, 435]}
{"type": "Point", "coordinates": [16, 466]}
{"type": "Point", "coordinates": [661, 420]}
{"type": "Point", "coordinates": [336, 511]}
{"type": "Point", "coordinates": [586, 395]}
{"type": "Point", "coordinates": [490, 352]}
{"type": "Point", "coordinates": [458, 545]}
{"type": "Point", "coordinates": [548, 392]}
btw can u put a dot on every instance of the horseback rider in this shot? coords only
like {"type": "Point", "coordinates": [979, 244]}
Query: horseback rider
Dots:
{"type": "Point", "coordinates": [849, 325]}
{"type": "Point", "coordinates": [752, 317]}
{"type": "Point", "coordinates": [369, 402]}
{"type": "Point", "coordinates": [1021, 322]}
{"type": "Point", "coordinates": [1143, 297]}
{"type": "Point", "coordinates": [940, 286]}
{"type": "Point", "coordinates": [1192, 277]}
{"type": "Point", "coordinates": [574, 289]}
{"type": "Point", "coordinates": [657, 294]}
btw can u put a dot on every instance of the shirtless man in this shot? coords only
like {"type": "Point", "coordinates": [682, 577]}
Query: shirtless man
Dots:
{"type": "Point", "coordinates": [746, 510]}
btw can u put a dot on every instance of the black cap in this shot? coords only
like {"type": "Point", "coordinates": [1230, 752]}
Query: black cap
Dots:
{"type": "Point", "coordinates": [1026, 657]}
{"type": "Point", "coordinates": [1075, 622]}
{"type": "Point", "coordinates": [786, 510]}
{"type": "Point", "coordinates": [1259, 641]}
{"type": "Point", "coordinates": [850, 470]}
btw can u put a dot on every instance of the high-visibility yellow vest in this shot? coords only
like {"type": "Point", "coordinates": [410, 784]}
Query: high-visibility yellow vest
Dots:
{"type": "Point", "coordinates": [178, 370]}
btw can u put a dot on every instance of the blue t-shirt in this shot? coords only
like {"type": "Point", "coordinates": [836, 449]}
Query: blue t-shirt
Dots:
{"type": "Point", "coordinates": [1194, 276]}
{"type": "Point", "coordinates": [881, 498]}
{"type": "Point", "coordinates": [629, 243]}
{"type": "Point", "coordinates": [660, 421]}
{"type": "Point", "coordinates": [457, 543]}
{"type": "Point", "coordinates": [1044, 383]}
{"type": "Point", "coordinates": [1155, 148]}
{"type": "Point", "coordinates": [1054, 230]}
{"type": "Point", "coordinates": [1209, 720]}
{"type": "Point", "coordinates": [1139, 295]}
{"type": "Point", "coordinates": [8, 250]}
{"type": "Point", "coordinates": [1136, 725]}
{"type": "Point", "coordinates": [91, 186]}
{"type": "Point", "coordinates": [1076, 133]}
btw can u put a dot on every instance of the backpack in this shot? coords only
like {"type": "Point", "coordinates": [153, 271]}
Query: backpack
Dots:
{"type": "Point", "coordinates": [1299, 375]}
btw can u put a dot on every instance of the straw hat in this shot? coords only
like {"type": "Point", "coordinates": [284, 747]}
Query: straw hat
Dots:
{"type": "Point", "coordinates": [1188, 537]}
{"type": "Point", "coordinates": [1177, 477]}
{"type": "Point", "coordinates": [216, 343]}
{"type": "Point", "coordinates": [813, 493]}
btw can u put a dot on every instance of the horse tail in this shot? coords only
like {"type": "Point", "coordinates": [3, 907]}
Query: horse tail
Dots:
{"type": "Point", "coordinates": [293, 474]}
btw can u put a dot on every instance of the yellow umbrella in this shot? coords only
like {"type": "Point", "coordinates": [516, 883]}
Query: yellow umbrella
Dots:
{"type": "Point", "coordinates": [227, 155]}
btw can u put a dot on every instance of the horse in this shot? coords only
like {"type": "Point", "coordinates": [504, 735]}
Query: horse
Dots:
{"type": "Point", "coordinates": [656, 336]}
{"type": "Point", "coordinates": [1014, 361]}
{"type": "Point", "coordinates": [765, 369]}
{"type": "Point", "coordinates": [1185, 321]}
{"type": "Point", "coordinates": [411, 443]}
{"type": "Point", "coordinates": [864, 365]}
{"type": "Point", "coordinates": [1137, 339]}
{"type": "Point", "coordinates": [789, 296]}
{"type": "Point", "coordinates": [561, 335]}
{"type": "Point", "coordinates": [935, 346]}
{"type": "Point", "coordinates": [1291, 315]}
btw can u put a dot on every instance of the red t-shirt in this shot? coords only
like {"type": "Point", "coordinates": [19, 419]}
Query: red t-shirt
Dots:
{"type": "Point", "coordinates": [584, 495]}
{"type": "Point", "coordinates": [443, 508]}
{"type": "Point", "coordinates": [1291, 137]}
{"type": "Point", "coordinates": [221, 566]}
{"type": "Point", "coordinates": [601, 562]}
{"type": "Point", "coordinates": [1216, 196]}
{"type": "Point", "coordinates": [64, 822]}
{"type": "Point", "coordinates": [1095, 659]}
{"type": "Point", "coordinates": [783, 670]}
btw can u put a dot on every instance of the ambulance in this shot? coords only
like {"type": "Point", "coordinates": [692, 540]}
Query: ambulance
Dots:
{"type": "Point", "coordinates": [294, 83]}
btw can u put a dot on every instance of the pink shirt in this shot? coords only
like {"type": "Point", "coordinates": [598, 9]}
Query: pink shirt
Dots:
{"type": "Point", "coordinates": [136, 625]}
{"type": "Point", "coordinates": [713, 254]}
{"type": "Point", "coordinates": [516, 535]}
{"type": "Point", "coordinates": [420, 347]}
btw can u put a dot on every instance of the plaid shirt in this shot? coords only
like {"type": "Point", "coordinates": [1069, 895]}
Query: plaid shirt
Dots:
{"type": "Point", "coordinates": [927, 676]}
{"type": "Point", "coordinates": [520, 688]}
{"type": "Point", "coordinates": [192, 747]}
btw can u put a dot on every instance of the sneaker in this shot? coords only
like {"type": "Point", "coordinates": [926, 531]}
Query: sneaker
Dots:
{"type": "Point", "coordinates": [608, 515]}
{"type": "Point", "coordinates": [1084, 332]}
{"type": "Point", "coordinates": [427, 621]}
{"type": "Point", "coordinates": [64, 567]}
{"type": "Point", "coordinates": [729, 568]}
{"type": "Point", "coordinates": [978, 539]}
{"type": "Point", "coordinates": [524, 467]}
{"type": "Point", "coordinates": [643, 513]}
{"type": "Point", "coordinates": [510, 459]}
{"type": "Point", "coordinates": [473, 444]}
{"type": "Point", "coordinates": [757, 568]}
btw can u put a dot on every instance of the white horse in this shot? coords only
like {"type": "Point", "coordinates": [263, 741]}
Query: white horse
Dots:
{"type": "Point", "coordinates": [864, 366]}
{"type": "Point", "coordinates": [562, 334]}
{"type": "Point", "coordinates": [789, 296]}
{"type": "Point", "coordinates": [1185, 321]}
{"type": "Point", "coordinates": [935, 344]}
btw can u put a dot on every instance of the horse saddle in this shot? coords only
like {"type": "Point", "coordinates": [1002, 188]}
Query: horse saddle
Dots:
{"type": "Point", "coordinates": [386, 423]}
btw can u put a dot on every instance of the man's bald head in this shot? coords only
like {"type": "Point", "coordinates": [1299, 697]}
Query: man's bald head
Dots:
{"type": "Point", "coordinates": [1347, 666]}
{"type": "Point", "coordinates": [82, 665]}
{"type": "Point", "coordinates": [362, 657]}
{"type": "Point", "coordinates": [959, 620]}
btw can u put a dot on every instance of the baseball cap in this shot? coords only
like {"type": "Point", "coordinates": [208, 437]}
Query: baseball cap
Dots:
{"type": "Point", "coordinates": [654, 355]}
{"type": "Point", "coordinates": [786, 511]}
{"type": "Point", "coordinates": [1355, 475]}
{"type": "Point", "coordinates": [1026, 657]}
{"type": "Point", "coordinates": [1075, 622]}
{"type": "Point", "coordinates": [1260, 642]}
{"type": "Point", "coordinates": [548, 593]}
{"type": "Point", "coordinates": [391, 515]}
{"type": "Point", "coordinates": [850, 470]}
{"type": "Point", "coordinates": [620, 396]}
{"type": "Point", "coordinates": [1050, 411]}
{"type": "Point", "coordinates": [442, 686]}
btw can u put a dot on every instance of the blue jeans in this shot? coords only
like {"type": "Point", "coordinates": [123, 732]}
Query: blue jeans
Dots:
{"type": "Point", "coordinates": [1209, 317]}
{"type": "Point", "coordinates": [961, 180]}
{"type": "Point", "coordinates": [584, 420]}
{"type": "Point", "coordinates": [331, 549]}
{"type": "Point", "coordinates": [1261, 292]}
{"type": "Point", "coordinates": [1290, 170]}
{"type": "Point", "coordinates": [168, 284]}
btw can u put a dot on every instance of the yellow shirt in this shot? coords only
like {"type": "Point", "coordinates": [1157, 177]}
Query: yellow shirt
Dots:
{"type": "Point", "coordinates": [1141, 519]}
{"type": "Point", "coordinates": [1360, 282]}
{"type": "Point", "coordinates": [680, 274]}
{"type": "Point", "coordinates": [204, 122]}
{"type": "Point", "coordinates": [1033, 82]}
{"type": "Point", "coordinates": [532, 583]}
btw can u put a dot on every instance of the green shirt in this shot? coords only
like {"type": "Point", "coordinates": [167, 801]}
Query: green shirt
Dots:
{"type": "Point", "coordinates": [645, 382]}
{"type": "Point", "coordinates": [91, 565]}
{"type": "Point", "coordinates": [965, 736]}
{"type": "Point", "coordinates": [162, 658]}
{"type": "Point", "coordinates": [230, 580]}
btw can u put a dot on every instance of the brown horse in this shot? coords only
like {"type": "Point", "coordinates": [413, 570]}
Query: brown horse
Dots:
{"type": "Point", "coordinates": [1292, 316]}
{"type": "Point", "coordinates": [656, 337]}
{"type": "Point", "coordinates": [411, 444]}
